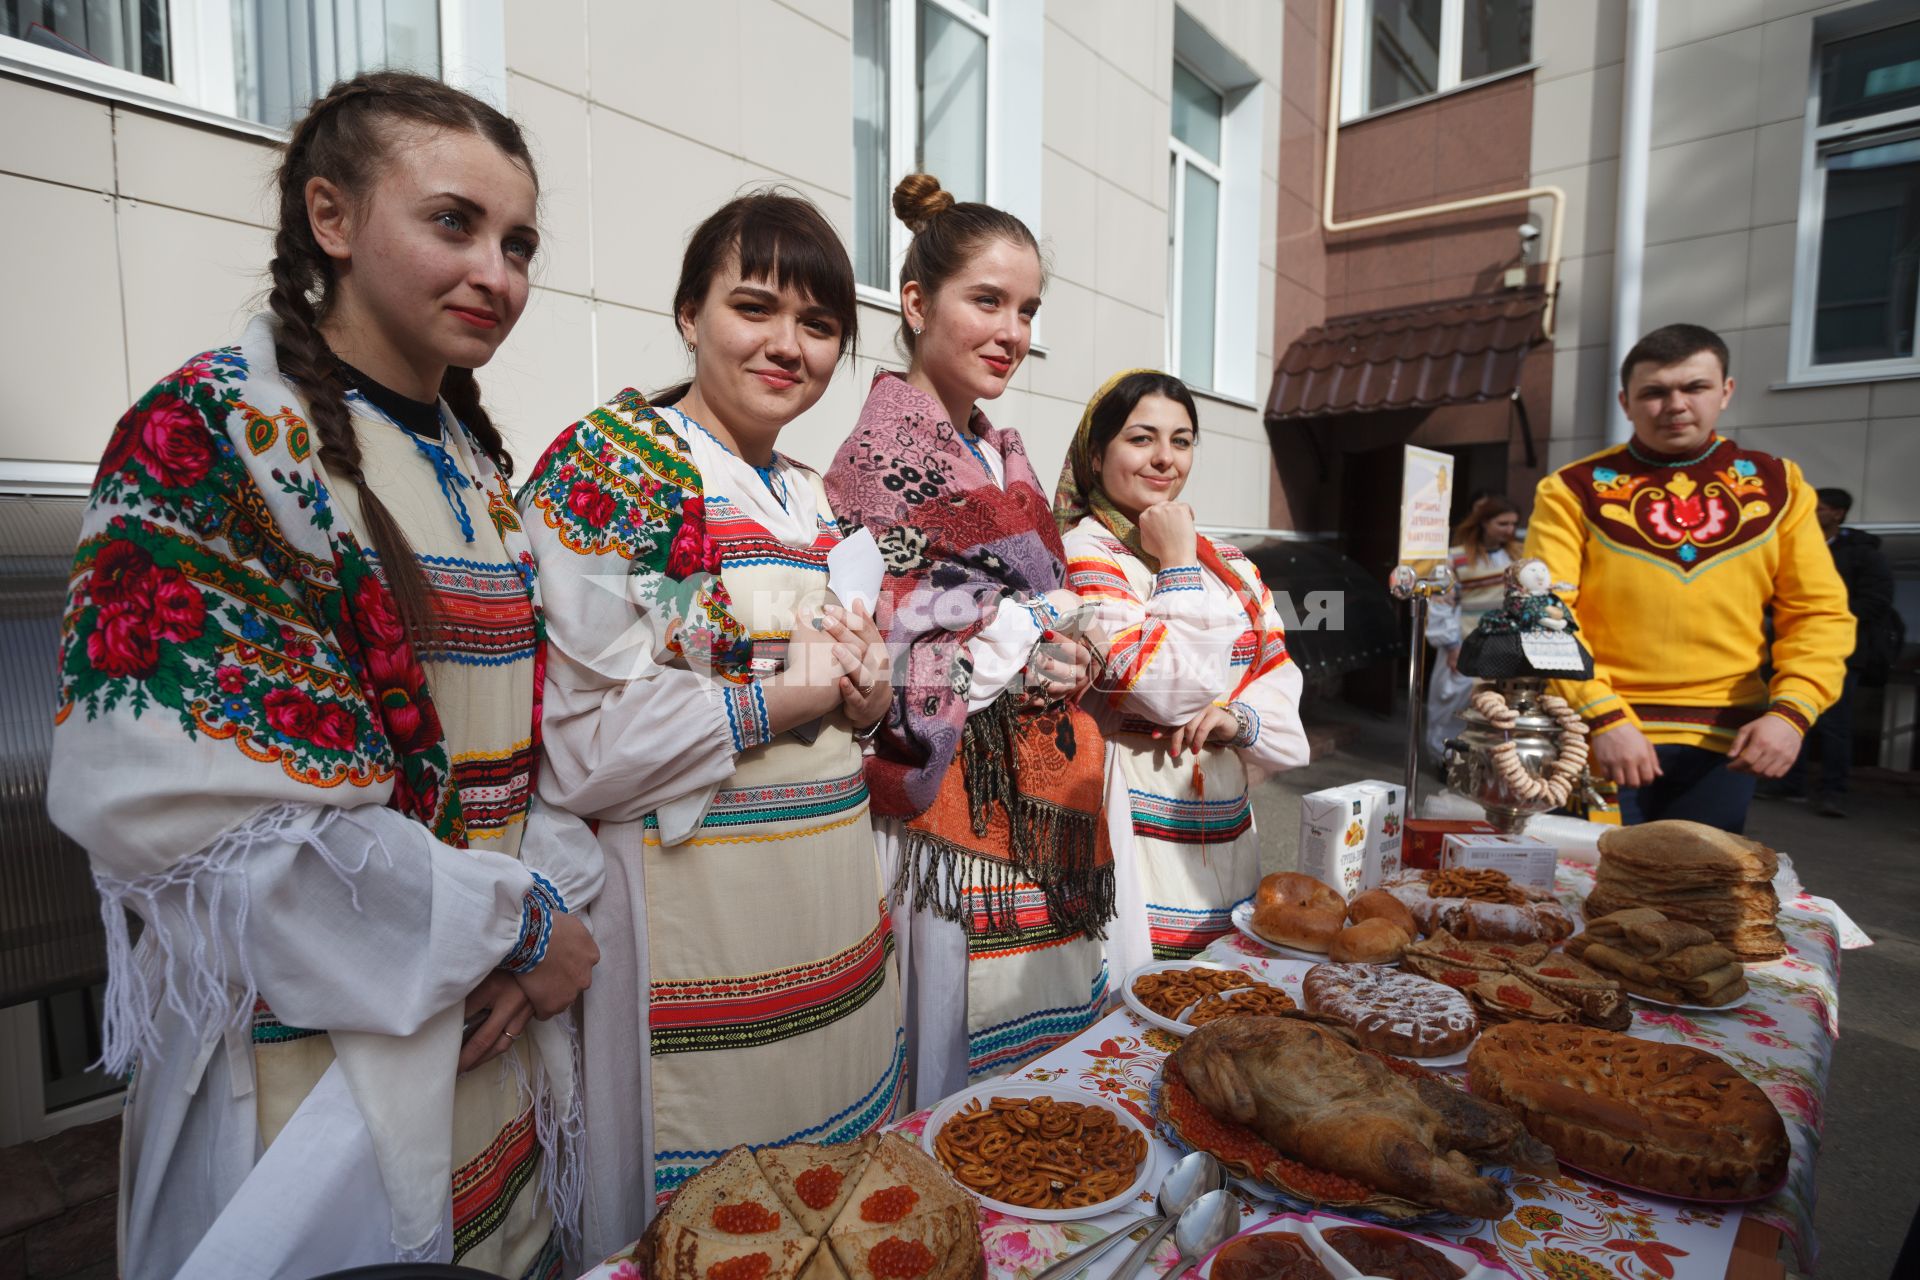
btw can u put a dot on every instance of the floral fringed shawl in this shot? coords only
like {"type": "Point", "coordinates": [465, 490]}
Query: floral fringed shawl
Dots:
{"type": "Point", "coordinates": [228, 647]}
{"type": "Point", "coordinates": [1024, 806]}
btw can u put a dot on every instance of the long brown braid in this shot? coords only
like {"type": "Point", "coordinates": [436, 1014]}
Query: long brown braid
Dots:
{"type": "Point", "coordinates": [345, 137]}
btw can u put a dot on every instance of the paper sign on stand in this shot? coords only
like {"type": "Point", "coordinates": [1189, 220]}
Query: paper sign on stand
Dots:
{"type": "Point", "coordinates": [1426, 503]}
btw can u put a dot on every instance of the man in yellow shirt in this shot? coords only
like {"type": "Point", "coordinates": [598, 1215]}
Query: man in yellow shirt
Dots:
{"type": "Point", "coordinates": [1678, 545]}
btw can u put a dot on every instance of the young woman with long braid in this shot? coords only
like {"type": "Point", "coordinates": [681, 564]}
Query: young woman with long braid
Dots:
{"type": "Point", "coordinates": [297, 735]}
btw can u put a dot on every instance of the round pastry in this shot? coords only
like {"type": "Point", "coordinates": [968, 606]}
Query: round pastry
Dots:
{"type": "Point", "coordinates": [1391, 1011]}
{"type": "Point", "coordinates": [1377, 941]}
{"type": "Point", "coordinates": [1378, 904]}
{"type": "Point", "coordinates": [1292, 889]}
{"type": "Point", "coordinates": [1303, 928]}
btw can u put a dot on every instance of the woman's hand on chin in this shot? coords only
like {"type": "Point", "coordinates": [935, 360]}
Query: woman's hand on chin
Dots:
{"type": "Point", "coordinates": [1167, 534]}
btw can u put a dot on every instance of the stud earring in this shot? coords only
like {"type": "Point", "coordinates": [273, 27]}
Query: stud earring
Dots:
{"type": "Point", "coordinates": [917, 330]}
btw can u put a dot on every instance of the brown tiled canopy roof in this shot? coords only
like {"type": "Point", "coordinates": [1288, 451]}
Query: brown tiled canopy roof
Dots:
{"type": "Point", "coordinates": [1458, 351]}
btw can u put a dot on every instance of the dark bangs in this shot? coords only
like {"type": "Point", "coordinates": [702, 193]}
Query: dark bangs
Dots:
{"type": "Point", "coordinates": [779, 237]}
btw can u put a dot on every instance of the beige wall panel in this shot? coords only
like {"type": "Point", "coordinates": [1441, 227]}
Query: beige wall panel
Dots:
{"type": "Point", "coordinates": [1899, 399]}
{"type": "Point", "coordinates": [1124, 337]}
{"type": "Point", "coordinates": [166, 161]}
{"type": "Point", "coordinates": [190, 283]}
{"type": "Point", "coordinates": [1762, 362]}
{"type": "Point", "coordinates": [1770, 275]}
{"type": "Point", "coordinates": [1701, 281]}
{"type": "Point", "coordinates": [1584, 314]}
{"type": "Point", "coordinates": [1069, 214]}
{"type": "Point", "coordinates": [1576, 118]}
{"type": "Point", "coordinates": [1070, 102]}
{"type": "Point", "coordinates": [1690, 20]}
{"type": "Point", "coordinates": [1583, 403]}
{"type": "Point", "coordinates": [815, 435]}
{"type": "Point", "coordinates": [1131, 255]}
{"type": "Point", "coordinates": [634, 348]}
{"type": "Point", "coordinates": [1079, 18]}
{"type": "Point", "coordinates": [556, 125]}
{"type": "Point", "coordinates": [1786, 63]}
{"type": "Point", "coordinates": [1561, 452]}
{"type": "Point", "coordinates": [1131, 129]}
{"type": "Point", "coordinates": [1131, 43]}
{"type": "Point", "coordinates": [1574, 35]}
{"type": "Point", "coordinates": [1776, 170]}
{"type": "Point", "coordinates": [650, 190]}
{"type": "Point", "coordinates": [548, 41]}
{"type": "Point", "coordinates": [1706, 88]}
{"type": "Point", "coordinates": [1592, 193]}
{"type": "Point", "coordinates": [541, 379]}
{"type": "Point", "coordinates": [835, 15]}
{"type": "Point", "coordinates": [670, 63]}
{"type": "Point", "coordinates": [64, 385]}
{"type": "Point", "coordinates": [1067, 370]}
{"type": "Point", "coordinates": [1786, 8]}
{"type": "Point", "coordinates": [1700, 188]}
{"type": "Point", "coordinates": [1889, 494]}
{"type": "Point", "coordinates": [71, 140]}
{"type": "Point", "coordinates": [794, 124]}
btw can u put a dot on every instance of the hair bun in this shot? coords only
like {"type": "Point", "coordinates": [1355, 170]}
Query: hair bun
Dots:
{"type": "Point", "coordinates": [919, 199]}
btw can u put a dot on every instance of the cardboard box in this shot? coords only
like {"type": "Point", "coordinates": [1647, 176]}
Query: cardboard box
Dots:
{"type": "Point", "coordinates": [1333, 836]}
{"type": "Point", "coordinates": [1422, 838]}
{"type": "Point", "coordinates": [1527, 862]}
{"type": "Point", "coordinates": [1384, 832]}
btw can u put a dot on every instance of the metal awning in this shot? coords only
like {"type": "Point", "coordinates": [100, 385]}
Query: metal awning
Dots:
{"type": "Point", "coordinates": [1457, 351]}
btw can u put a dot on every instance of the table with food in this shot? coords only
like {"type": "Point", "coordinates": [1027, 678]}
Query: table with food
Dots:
{"type": "Point", "coordinates": [1497, 1063]}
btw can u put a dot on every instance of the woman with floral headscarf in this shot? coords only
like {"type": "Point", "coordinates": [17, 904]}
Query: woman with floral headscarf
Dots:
{"type": "Point", "coordinates": [1200, 699]}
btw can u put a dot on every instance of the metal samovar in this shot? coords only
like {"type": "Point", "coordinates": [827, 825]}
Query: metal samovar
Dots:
{"type": "Point", "coordinates": [1524, 750]}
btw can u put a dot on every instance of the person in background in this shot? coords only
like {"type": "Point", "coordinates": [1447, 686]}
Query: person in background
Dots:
{"type": "Point", "coordinates": [986, 773]}
{"type": "Point", "coordinates": [1869, 581]}
{"type": "Point", "coordinates": [298, 736]}
{"type": "Point", "coordinates": [1200, 700]}
{"type": "Point", "coordinates": [1676, 545]}
{"type": "Point", "coordinates": [704, 699]}
{"type": "Point", "coordinates": [1483, 545]}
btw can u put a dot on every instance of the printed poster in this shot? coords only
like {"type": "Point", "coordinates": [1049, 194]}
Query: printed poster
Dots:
{"type": "Point", "coordinates": [1426, 498]}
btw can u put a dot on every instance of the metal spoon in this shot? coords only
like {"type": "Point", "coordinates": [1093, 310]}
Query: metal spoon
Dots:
{"type": "Point", "coordinates": [1170, 1209]}
{"type": "Point", "coordinates": [1191, 1177]}
{"type": "Point", "coordinates": [1205, 1225]}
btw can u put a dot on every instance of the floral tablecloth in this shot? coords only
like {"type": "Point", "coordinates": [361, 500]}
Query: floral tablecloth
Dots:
{"type": "Point", "coordinates": [1566, 1228]}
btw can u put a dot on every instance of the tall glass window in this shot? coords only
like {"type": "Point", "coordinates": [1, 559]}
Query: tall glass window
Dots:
{"type": "Point", "coordinates": [131, 36]}
{"type": "Point", "coordinates": [1404, 50]}
{"type": "Point", "coordinates": [1193, 257]}
{"type": "Point", "coordinates": [953, 102]}
{"type": "Point", "coordinates": [872, 144]}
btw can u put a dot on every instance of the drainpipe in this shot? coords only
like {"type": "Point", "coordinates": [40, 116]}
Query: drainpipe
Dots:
{"type": "Point", "coordinates": [1332, 225]}
{"type": "Point", "coordinates": [1630, 216]}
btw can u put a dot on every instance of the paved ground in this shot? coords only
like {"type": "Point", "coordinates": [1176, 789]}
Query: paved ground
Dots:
{"type": "Point", "coordinates": [1869, 1168]}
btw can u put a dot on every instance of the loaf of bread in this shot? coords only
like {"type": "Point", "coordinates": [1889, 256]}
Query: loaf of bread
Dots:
{"type": "Point", "coordinates": [1665, 1117]}
{"type": "Point", "coordinates": [1378, 941]}
{"type": "Point", "coordinates": [1378, 904]}
{"type": "Point", "coordinates": [1303, 928]}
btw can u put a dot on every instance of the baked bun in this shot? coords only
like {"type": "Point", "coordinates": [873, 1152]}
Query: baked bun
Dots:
{"type": "Point", "coordinates": [1376, 941]}
{"type": "Point", "coordinates": [1292, 889]}
{"type": "Point", "coordinates": [1305, 928]}
{"type": "Point", "coordinates": [919, 199]}
{"type": "Point", "coordinates": [1378, 904]}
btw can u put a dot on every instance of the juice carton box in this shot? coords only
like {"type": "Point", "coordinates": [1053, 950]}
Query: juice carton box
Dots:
{"type": "Point", "coordinates": [1333, 836]}
{"type": "Point", "coordinates": [1528, 862]}
{"type": "Point", "coordinates": [1384, 826]}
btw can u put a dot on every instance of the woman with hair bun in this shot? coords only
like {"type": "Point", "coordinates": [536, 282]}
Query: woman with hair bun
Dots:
{"type": "Point", "coordinates": [298, 731]}
{"type": "Point", "coordinates": [1482, 550]}
{"type": "Point", "coordinates": [705, 705]}
{"type": "Point", "coordinates": [985, 773]}
{"type": "Point", "coordinates": [1201, 699]}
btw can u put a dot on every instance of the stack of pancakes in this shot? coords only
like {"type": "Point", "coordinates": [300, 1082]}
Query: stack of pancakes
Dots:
{"type": "Point", "coordinates": [1663, 959]}
{"type": "Point", "coordinates": [1695, 874]}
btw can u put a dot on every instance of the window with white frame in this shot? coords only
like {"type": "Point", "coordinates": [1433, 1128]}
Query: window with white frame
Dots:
{"type": "Point", "coordinates": [1857, 287]}
{"type": "Point", "coordinates": [1400, 51]}
{"type": "Point", "coordinates": [947, 87]}
{"type": "Point", "coordinates": [1214, 282]}
{"type": "Point", "coordinates": [253, 60]}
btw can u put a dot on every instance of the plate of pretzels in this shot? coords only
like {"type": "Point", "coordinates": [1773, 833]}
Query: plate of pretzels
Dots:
{"type": "Point", "coordinates": [1050, 1153]}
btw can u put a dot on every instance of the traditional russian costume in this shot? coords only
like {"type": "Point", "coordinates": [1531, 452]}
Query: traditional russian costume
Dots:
{"type": "Point", "coordinates": [1177, 640]}
{"type": "Point", "coordinates": [747, 991]}
{"type": "Point", "coordinates": [990, 830]}
{"type": "Point", "coordinates": [328, 834]}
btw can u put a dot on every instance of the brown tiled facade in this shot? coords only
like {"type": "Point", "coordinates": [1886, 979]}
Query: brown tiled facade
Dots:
{"type": "Point", "coordinates": [1473, 142]}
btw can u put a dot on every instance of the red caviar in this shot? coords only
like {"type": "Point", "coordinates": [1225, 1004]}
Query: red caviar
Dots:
{"type": "Point", "coordinates": [819, 1187]}
{"type": "Point", "coordinates": [889, 1204]}
{"type": "Point", "coordinates": [897, 1259]}
{"type": "Point", "coordinates": [745, 1219]}
{"type": "Point", "coordinates": [1237, 1144]}
{"type": "Point", "coordinates": [755, 1266]}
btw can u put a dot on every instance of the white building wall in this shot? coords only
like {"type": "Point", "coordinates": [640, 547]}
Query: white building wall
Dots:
{"type": "Point", "coordinates": [1729, 125]}
{"type": "Point", "coordinates": [141, 238]}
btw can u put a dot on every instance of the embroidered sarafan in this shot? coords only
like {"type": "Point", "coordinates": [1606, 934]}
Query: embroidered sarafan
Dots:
{"type": "Point", "coordinates": [1688, 515]}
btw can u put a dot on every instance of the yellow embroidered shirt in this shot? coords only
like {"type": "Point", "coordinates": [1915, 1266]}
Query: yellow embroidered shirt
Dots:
{"type": "Point", "coordinates": [1675, 564]}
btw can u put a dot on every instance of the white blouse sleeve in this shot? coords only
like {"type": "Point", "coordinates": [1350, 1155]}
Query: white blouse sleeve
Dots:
{"type": "Point", "coordinates": [1275, 739]}
{"type": "Point", "coordinates": [1169, 655]}
{"type": "Point", "coordinates": [999, 652]}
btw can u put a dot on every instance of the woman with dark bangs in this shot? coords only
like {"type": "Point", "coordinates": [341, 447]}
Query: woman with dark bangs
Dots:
{"type": "Point", "coordinates": [705, 701]}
